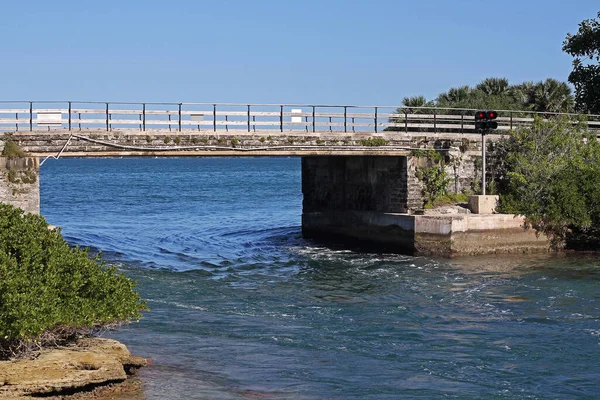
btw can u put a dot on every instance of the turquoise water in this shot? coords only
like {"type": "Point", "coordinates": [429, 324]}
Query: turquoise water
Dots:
{"type": "Point", "coordinates": [244, 307]}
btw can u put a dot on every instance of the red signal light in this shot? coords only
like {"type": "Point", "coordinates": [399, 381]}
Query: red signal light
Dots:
{"type": "Point", "coordinates": [480, 115]}
{"type": "Point", "coordinates": [492, 115]}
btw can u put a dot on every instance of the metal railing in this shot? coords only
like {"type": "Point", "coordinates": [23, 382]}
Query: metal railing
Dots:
{"type": "Point", "coordinates": [237, 118]}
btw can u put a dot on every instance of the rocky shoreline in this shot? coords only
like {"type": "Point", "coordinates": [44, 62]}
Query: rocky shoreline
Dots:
{"type": "Point", "coordinates": [91, 368]}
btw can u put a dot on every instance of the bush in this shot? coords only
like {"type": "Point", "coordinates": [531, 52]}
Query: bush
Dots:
{"type": "Point", "coordinates": [552, 177]}
{"type": "Point", "coordinates": [11, 149]}
{"type": "Point", "coordinates": [373, 142]}
{"type": "Point", "coordinates": [50, 292]}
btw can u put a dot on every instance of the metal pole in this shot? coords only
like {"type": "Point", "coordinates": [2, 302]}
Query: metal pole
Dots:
{"type": "Point", "coordinates": [69, 116]}
{"type": "Point", "coordinates": [483, 163]}
{"type": "Point", "coordinates": [143, 116]}
{"type": "Point", "coordinates": [214, 117]}
{"type": "Point", "coordinates": [30, 116]}
{"type": "Point", "coordinates": [345, 121]}
{"type": "Point", "coordinates": [435, 120]}
{"type": "Point", "coordinates": [179, 115]}
{"type": "Point", "coordinates": [375, 119]}
{"type": "Point", "coordinates": [511, 116]}
{"type": "Point", "coordinates": [107, 123]}
{"type": "Point", "coordinates": [313, 120]}
{"type": "Point", "coordinates": [281, 118]}
{"type": "Point", "coordinates": [248, 117]}
{"type": "Point", "coordinates": [405, 121]}
{"type": "Point", "coordinates": [462, 122]}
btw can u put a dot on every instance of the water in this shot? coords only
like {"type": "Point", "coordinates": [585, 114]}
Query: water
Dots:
{"type": "Point", "coordinates": [244, 308]}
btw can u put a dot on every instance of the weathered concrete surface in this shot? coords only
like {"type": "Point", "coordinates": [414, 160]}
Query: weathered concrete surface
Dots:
{"type": "Point", "coordinates": [441, 235]}
{"type": "Point", "coordinates": [235, 142]}
{"type": "Point", "coordinates": [392, 232]}
{"type": "Point", "coordinates": [473, 234]}
{"type": "Point", "coordinates": [20, 183]}
{"type": "Point", "coordinates": [483, 204]}
{"type": "Point", "coordinates": [92, 362]}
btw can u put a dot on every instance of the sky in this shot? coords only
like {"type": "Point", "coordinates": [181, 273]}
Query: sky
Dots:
{"type": "Point", "coordinates": [277, 51]}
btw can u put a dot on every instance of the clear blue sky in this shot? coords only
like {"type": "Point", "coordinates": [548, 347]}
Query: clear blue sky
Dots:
{"type": "Point", "coordinates": [277, 51]}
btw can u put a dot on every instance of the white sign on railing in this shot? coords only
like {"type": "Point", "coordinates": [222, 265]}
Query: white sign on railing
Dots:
{"type": "Point", "coordinates": [49, 118]}
{"type": "Point", "coordinates": [296, 111]}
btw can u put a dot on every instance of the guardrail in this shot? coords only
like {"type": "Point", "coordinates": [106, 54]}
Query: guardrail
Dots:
{"type": "Point", "coordinates": [215, 117]}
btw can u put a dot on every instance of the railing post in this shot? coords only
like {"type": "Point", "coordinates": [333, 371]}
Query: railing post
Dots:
{"type": "Point", "coordinates": [345, 120]}
{"type": "Point", "coordinates": [143, 116]}
{"type": "Point", "coordinates": [214, 117]}
{"type": "Point", "coordinates": [405, 121]}
{"type": "Point", "coordinates": [31, 116]}
{"type": "Point", "coordinates": [179, 115]}
{"type": "Point", "coordinates": [281, 118]}
{"type": "Point", "coordinates": [313, 120]}
{"type": "Point", "coordinates": [107, 122]}
{"type": "Point", "coordinates": [375, 119]}
{"type": "Point", "coordinates": [511, 120]}
{"type": "Point", "coordinates": [435, 120]}
{"type": "Point", "coordinates": [462, 122]}
{"type": "Point", "coordinates": [69, 116]}
{"type": "Point", "coordinates": [248, 117]}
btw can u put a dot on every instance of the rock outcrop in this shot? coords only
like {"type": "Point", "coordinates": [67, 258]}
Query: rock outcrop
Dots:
{"type": "Point", "coordinates": [90, 363]}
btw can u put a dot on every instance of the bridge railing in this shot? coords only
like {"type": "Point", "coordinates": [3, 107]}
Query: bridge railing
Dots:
{"type": "Point", "coordinates": [239, 118]}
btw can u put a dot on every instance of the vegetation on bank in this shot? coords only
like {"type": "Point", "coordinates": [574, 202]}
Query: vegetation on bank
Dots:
{"type": "Point", "coordinates": [51, 293]}
{"type": "Point", "coordinates": [11, 149]}
{"type": "Point", "coordinates": [550, 173]}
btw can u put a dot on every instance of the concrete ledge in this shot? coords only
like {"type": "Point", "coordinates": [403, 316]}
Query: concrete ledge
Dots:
{"type": "Point", "coordinates": [483, 204]}
{"type": "Point", "coordinates": [444, 235]}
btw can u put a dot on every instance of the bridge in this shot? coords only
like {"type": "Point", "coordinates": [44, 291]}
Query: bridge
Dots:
{"type": "Point", "coordinates": [43, 128]}
{"type": "Point", "coordinates": [359, 163]}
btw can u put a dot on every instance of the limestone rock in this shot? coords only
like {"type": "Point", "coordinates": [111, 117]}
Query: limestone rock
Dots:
{"type": "Point", "coordinates": [89, 363]}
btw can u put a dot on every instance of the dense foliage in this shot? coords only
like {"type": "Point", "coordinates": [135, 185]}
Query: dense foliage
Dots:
{"type": "Point", "coordinates": [11, 149]}
{"type": "Point", "coordinates": [550, 173]}
{"type": "Point", "coordinates": [496, 93]}
{"type": "Point", "coordinates": [49, 291]}
{"type": "Point", "coordinates": [585, 47]}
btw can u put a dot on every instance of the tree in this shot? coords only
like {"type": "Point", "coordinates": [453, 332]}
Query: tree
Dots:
{"type": "Point", "coordinates": [551, 176]}
{"type": "Point", "coordinates": [493, 86]}
{"type": "Point", "coordinates": [585, 47]}
{"type": "Point", "coordinates": [50, 292]}
{"type": "Point", "coordinates": [549, 96]}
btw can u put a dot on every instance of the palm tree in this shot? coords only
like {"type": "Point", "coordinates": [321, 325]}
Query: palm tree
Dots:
{"type": "Point", "coordinates": [493, 86]}
{"type": "Point", "coordinates": [551, 95]}
{"type": "Point", "coordinates": [454, 96]}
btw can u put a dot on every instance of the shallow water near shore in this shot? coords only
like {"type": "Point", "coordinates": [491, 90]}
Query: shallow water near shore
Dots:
{"type": "Point", "coordinates": [244, 307]}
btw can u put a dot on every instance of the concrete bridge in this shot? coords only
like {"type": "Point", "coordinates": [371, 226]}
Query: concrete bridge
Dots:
{"type": "Point", "coordinates": [359, 164]}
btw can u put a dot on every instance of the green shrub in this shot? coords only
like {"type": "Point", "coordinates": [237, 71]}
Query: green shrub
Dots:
{"type": "Point", "coordinates": [50, 292]}
{"type": "Point", "coordinates": [446, 200]}
{"type": "Point", "coordinates": [11, 149]}
{"type": "Point", "coordinates": [167, 139]}
{"type": "Point", "coordinates": [373, 141]}
{"type": "Point", "coordinates": [177, 140]}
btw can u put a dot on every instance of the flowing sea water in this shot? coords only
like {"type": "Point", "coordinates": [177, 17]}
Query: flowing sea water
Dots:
{"type": "Point", "coordinates": [243, 307]}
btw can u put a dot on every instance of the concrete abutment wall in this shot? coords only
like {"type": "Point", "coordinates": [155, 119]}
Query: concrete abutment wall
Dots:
{"type": "Point", "coordinates": [20, 183]}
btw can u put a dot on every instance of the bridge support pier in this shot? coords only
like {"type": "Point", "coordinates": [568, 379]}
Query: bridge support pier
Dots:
{"type": "Point", "coordinates": [352, 197]}
{"type": "Point", "coordinates": [20, 182]}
